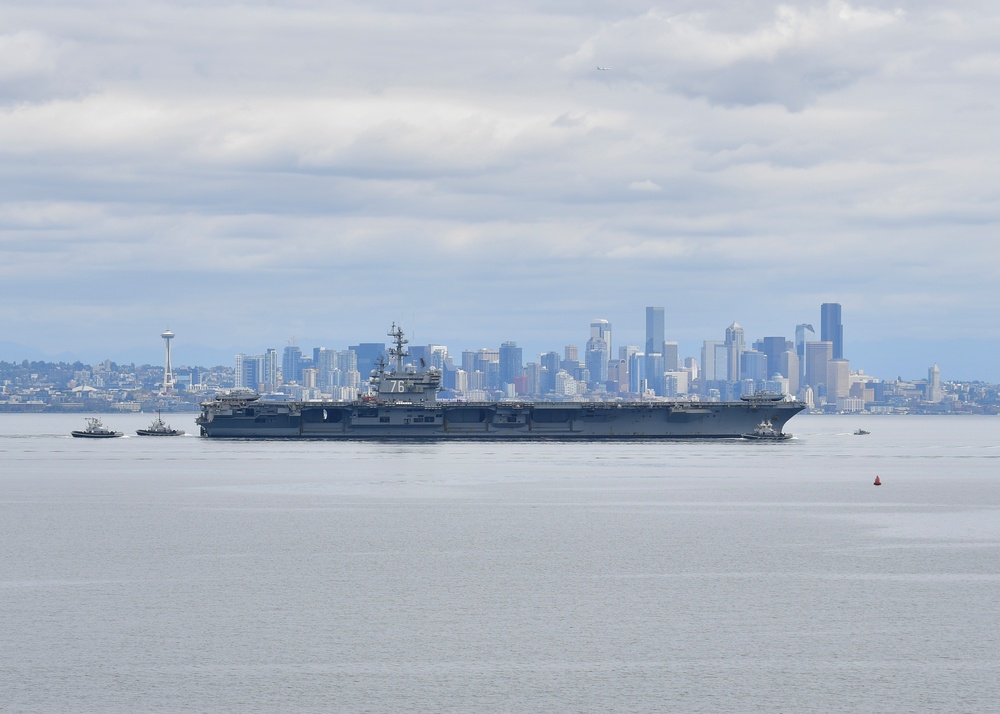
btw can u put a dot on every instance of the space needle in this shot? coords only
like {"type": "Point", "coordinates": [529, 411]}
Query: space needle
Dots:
{"type": "Point", "coordinates": [168, 372]}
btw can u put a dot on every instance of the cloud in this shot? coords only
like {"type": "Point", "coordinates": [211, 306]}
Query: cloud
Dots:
{"type": "Point", "coordinates": [987, 64]}
{"type": "Point", "coordinates": [791, 58]}
{"type": "Point", "coordinates": [286, 165]}
{"type": "Point", "coordinates": [25, 55]}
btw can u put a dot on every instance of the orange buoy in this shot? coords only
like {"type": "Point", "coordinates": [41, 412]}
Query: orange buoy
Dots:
{"type": "Point", "coordinates": [878, 481]}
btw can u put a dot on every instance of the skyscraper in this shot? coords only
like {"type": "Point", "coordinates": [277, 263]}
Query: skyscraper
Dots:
{"type": "Point", "coordinates": [800, 348]}
{"type": "Point", "coordinates": [598, 351]}
{"type": "Point", "coordinates": [654, 330]}
{"type": "Point", "coordinates": [249, 371]}
{"type": "Point", "coordinates": [831, 328]}
{"type": "Point", "coordinates": [774, 348]}
{"type": "Point", "coordinates": [711, 372]}
{"type": "Point", "coordinates": [368, 354]}
{"type": "Point", "coordinates": [671, 355]}
{"type": "Point", "coordinates": [270, 376]}
{"type": "Point", "coordinates": [601, 329]}
{"type": "Point", "coordinates": [735, 344]}
{"type": "Point", "coordinates": [511, 363]}
{"type": "Point", "coordinates": [934, 393]}
{"type": "Point", "coordinates": [818, 356]}
{"type": "Point", "coordinates": [637, 373]}
{"type": "Point", "coordinates": [291, 364]}
{"type": "Point", "coordinates": [838, 379]}
{"type": "Point", "coordinates": [753, 365]}
{"type": "Point", "coordinates": [550, 366]}
{"type": "Point", "coordinates": [596, 358]}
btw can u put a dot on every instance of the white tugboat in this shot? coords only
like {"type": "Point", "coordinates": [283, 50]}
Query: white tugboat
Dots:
{"type": "Point", "coordinates": [765, 431]}
{"type": "Point", "coordinates": [159, 428]}
{"type": "Point", "coordinates": [96, 430]}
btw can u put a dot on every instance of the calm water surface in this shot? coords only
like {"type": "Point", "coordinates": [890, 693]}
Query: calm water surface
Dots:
{"type": "Point", "coordinates": [167, 575]}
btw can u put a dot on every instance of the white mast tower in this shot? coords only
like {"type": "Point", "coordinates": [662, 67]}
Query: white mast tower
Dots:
{"type": "Point", "coordinates": [168, 372]}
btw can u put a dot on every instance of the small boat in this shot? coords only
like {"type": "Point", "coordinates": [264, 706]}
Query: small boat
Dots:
{"type": "Point", "coordinates": [159, 428]}
{"type": "Point", "coordinates": [96, 430]}
{"type": "Point", "coordinates": [861, 432]}
{"type": "Point", "coordinates": [765, 431]}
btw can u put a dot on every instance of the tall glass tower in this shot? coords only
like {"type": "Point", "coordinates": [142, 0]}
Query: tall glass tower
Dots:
{"type": "Point", "coordinates": [601, 329]}
{"type": "Point", "coordinates": [511, 363]}
{"type": "Point", "coordinates": [736, 344]}
{"type": "Point", "coordinates": [831, 328]}
{"type": "Point", "coordinates": [654, 330]}
{"type": "Point", "coordinates": [291, 364]}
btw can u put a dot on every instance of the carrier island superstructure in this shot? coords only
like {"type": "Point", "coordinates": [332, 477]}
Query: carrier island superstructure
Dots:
{"type": "Point", "coordinates": [403, 405]}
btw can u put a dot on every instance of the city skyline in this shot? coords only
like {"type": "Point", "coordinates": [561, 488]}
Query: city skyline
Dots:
{"type": "Point", "coordinates": [293, 170]}
{"type": "Point", "coordinates": [735, 341]}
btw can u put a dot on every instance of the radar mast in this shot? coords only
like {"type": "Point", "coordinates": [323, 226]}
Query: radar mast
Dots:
{"type": "Point", "coordinates": [399, 351]}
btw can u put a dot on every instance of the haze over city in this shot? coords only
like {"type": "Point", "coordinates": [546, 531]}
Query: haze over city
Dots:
{"type": "Point", "coordinates": [249, 173]}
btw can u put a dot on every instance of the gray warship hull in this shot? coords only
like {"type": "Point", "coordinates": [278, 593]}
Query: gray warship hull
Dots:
{"type": "Point", "coordinates": [490, 420]}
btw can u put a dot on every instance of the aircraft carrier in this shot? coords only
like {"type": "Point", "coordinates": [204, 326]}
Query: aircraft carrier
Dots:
{"type": "Point", "coordinates": [404, 405]}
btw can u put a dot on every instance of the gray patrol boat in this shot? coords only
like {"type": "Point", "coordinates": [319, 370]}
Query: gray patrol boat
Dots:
{"type": "Point", "coordinates": [404, 406]}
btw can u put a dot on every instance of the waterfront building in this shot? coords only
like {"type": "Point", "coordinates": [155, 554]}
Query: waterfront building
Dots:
{"type": "Point", "coordinates": [850, 405]}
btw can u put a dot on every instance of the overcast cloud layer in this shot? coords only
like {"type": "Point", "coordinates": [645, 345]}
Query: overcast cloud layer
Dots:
{"type": "Point", "coordinates": [244, 173]}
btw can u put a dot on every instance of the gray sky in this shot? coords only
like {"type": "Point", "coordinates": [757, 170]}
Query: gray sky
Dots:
{"type": "Point", "coordinates": [243, 173]}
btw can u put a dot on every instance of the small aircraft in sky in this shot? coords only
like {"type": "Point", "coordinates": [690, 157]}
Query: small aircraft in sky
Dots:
{"type": "Point", "coordinates": [603, 69]}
